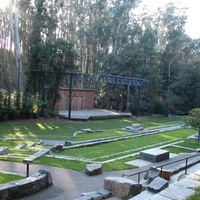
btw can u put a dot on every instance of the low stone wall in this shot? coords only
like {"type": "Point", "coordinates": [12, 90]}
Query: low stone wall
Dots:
{"type": "Point", "coordinates": [30, 185]}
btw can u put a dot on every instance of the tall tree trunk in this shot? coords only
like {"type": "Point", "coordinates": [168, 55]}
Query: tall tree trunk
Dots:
{"type": "Point", "coordinates": [17, 50]}
{"type": "Point", "coordinates": [128, 99]}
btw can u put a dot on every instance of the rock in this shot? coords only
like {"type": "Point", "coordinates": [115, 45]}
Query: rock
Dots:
{"type": "Point", "coordinates": [122, 187]}
{"type": "Point", "coordinates": [106, 193]}
{"type": "Point", "coordinates": [57, 148]}
{"type": "Point", "coordinates": [151, 174]}
{"type": "Point", "coordinates": [134, 128]}
{"type": "Point", "coordinates": [180, 177]}
{"type": "Point", "coordinates": [93, 195]}
{"type": "Point", "coordinates": [3, 150]}
{"type": "Point", "coordinates": [94, 169]}
{"type": "Point", "coordinates": [84, 198]}
{"type": "Point", "coordinates": [158, 184]}
{"type": "Point", "coordinates": [86, 130]}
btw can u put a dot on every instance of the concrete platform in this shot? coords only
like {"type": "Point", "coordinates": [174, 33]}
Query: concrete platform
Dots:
{"type": "Point", "coordinates": [154, 155]}
{"type": "Point", "coordinates": [95, 113]}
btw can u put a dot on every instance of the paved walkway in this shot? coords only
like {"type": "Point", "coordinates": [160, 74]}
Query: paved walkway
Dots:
{"type": "Point", "coordinates": [69, 184]}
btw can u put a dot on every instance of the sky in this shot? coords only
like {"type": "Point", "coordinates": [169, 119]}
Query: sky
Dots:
{"type": "Point", "coordinates": [192, 27]}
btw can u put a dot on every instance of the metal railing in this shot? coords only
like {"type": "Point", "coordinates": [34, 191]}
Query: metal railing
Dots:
{"type": "Point", "coordinates": [169, 163]}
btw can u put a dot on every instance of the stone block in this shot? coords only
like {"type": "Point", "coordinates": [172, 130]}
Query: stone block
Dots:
{"type": "Point", "coordinates": [106, 193]}
{"type": "Point", "coordinates": [154, 155]}
{"type": "Point", "coordinates": [122, 187]}
{"type": "Point", "coordinates": [20, 146]}
{"type": "Point", "coordinates": [36, 155]}
{"type": "Point", "coordinates": [158, 184]}
{"type": "Point", "coordinates": [84, 198]}
{"type": "Point", "coordinates": [188, 183]}
{"type": "Point", "coordinates": [143, 195]}
{"type": "Point", "coordinates": [176, 192]}
{"type": "Point", "coordinates": [151, 174]}
{"type": "Point", "coordinates": [3, 150]}
{"type": "Point", "coordinates": [93, 195]}
{"type": "Point", "coordinates": [94, 169]}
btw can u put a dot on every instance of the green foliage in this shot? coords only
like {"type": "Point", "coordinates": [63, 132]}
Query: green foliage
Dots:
{"type": "Point", "coordinates": [193, 119]}
{"type": "Point", "coordinates": [196, 195]}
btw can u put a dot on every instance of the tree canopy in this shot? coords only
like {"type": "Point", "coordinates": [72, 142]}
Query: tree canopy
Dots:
{"type": "Point", "coordinates": [100, 36]}
{"type": "Point", "coordinates": [193, 119]}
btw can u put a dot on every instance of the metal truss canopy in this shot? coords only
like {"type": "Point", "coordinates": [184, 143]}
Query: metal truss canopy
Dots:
{"type": "Point", "coordinates": [85, 77]}
{"type": "Point", "coordinates": [73, 77]}
{"type": "Point", "coordinates": [108, 78]}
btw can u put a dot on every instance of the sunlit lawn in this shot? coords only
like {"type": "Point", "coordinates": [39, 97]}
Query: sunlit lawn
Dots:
{"type": "Point", "coordinates": [127, 145]}
{"type": "Point", "coordinates": [27, 132]}
{"type": "Point", "coordinates": [5, 178]}
{"type": "Point", "coordinates": [65, 130]}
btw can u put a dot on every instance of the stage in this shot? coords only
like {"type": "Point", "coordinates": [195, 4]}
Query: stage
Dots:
{"type": "Point", "coordinates": [92, 114]}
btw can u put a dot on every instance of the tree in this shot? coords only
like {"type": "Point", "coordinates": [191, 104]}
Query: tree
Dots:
{"type": "Point", "coordinates": [193, 119]}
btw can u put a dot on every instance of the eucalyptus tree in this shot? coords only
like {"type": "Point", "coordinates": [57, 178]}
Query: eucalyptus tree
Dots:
{"type": "Point", "coordinates": [186, 88]}
{"type": "Point", "coordinates": [47, 52]}
{"type": "Point", "coordinates": [171, 36]}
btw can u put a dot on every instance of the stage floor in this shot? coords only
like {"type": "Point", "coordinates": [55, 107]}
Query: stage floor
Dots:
{"type": "Point", "coordinates": [88, 114]}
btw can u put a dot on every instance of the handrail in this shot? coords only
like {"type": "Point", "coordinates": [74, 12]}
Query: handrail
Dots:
{"type": "Point", "coordinates": [161, 166]}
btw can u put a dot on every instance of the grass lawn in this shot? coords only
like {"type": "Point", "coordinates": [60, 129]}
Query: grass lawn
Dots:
{"type": "Point", "coordinates": [5, 178]}
{"type": "Point", "coordinates": [26, 133]}
{"type": "Point", "coordinates": [65, 130]}
{"type": "Point", "coordinates": [196, 195]}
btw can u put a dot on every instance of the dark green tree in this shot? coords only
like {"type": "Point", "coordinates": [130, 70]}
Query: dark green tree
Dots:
{"type": "Point", "coordinates": [193, 119]}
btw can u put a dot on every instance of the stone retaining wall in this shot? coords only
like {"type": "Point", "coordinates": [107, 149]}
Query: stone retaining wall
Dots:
{"type": "Point", "coordinates": [27, 186]}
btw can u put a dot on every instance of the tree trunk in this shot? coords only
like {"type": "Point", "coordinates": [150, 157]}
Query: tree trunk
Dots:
{"type": "Point", "coordinates": [128, 99]}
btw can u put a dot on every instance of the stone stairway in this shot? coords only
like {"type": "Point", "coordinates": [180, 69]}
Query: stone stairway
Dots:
{"type": "Point", "coordinates": [179, 188]}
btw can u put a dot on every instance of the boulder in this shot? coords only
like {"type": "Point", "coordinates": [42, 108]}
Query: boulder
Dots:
{"type": "Point", "coordinates": [158, 184]}
{"type": "Point", "coordinates": [94, 169]}
{"type": "Point", "coordinates": [3, 150]}
{"type": "Point", "coordinates": [121, 187]}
